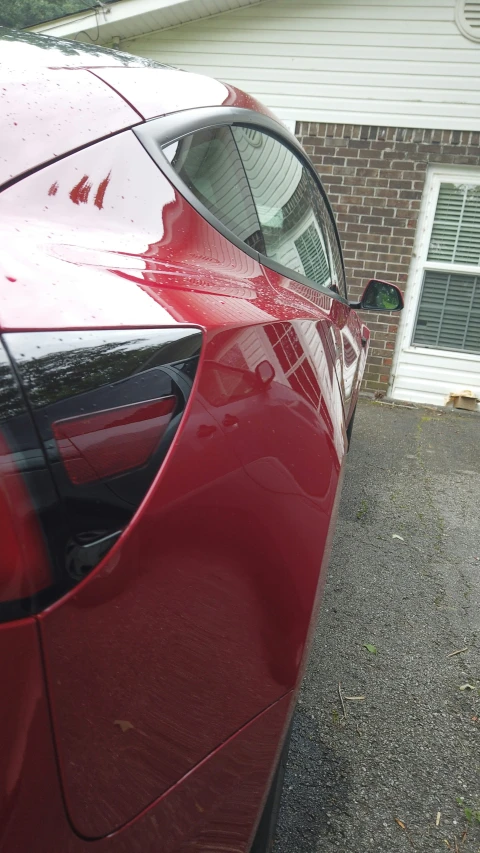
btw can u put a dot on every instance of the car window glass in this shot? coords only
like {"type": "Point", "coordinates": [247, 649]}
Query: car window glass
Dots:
{"type": "Point", "coordinates": [208, 163]}
{"type": "Point", "coordinates": [336, 264]}
{"type": "Point", "coordinates": [281, 188]}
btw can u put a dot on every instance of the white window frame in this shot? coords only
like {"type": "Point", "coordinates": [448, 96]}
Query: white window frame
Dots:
{"type": "Point", "coordinates": [436, 175]}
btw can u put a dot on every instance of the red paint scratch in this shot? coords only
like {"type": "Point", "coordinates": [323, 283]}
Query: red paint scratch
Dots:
{"type": "Point", "coordinates": [102, 189]}
{"type": "Point", "coordinates": [81, 191]}
{"type": "Point", "coordinates": [53, 189]}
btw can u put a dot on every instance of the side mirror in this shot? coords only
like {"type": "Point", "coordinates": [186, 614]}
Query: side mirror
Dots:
{"type": "Point", "coordinates": [380, 296]}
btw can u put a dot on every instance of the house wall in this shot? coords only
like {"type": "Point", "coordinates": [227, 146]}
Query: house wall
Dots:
{"type": "Point", "coordinates": [375, 178]}
{"type": "Point", "coordinates": [399, 63]}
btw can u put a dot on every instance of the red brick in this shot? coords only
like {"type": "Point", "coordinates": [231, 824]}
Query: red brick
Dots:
{"type": "Point", "coordinates": [375, 178]}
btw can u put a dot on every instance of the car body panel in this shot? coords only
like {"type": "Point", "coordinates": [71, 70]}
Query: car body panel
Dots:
{"type": "Point", "coordinates": [155, 93]}
{"type": "Point", "coordinates": [84, 214]}
{"type": "Point", "coordinates": [252, 477]}
{"type": "Point", "coordinates": [27, 764]}
{"type": "Point", "coordinates": [38, 130]}
{"type": "Point", "coordinates": [171, 670]}
{"type": "Point", "coordinates": [204, 811]}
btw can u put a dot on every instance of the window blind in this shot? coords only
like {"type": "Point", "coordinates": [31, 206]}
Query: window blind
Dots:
{"type": "Point", "coordinates": [449, 312]}
{"type": "Point", "coordinates": [312, 255]}
{"type": "Point", "coordinates": [456, 228]}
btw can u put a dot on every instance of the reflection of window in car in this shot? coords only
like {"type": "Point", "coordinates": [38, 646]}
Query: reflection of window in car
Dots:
{"type": "Point", "coordinates": [222, 385]}
{"type": "Point", "coordinates": [312, 254]}
{"type": "Point", "coordinates": [208, 163]}
{"type": "Point", "coordinates": [281, 189]}
{"type": "Point", "coordinates": [336, 263]}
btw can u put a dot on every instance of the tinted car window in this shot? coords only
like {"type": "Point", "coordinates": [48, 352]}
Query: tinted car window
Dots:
{"type": "Point", "coordinates": [209, 164]}
{"type": "Point", "coordinates": [336, 263]}
{"type": "Point", "coordinates": [288, 215]}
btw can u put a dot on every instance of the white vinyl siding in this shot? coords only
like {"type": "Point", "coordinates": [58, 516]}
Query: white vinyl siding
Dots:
{"type": "Point", "coordinates": [438, 346]}
{"type": "Point", "coordinates": [399, 63]}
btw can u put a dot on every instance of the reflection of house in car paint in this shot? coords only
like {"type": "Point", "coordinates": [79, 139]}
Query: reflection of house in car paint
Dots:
{"type": "Point", "coordinates": [296, 351]}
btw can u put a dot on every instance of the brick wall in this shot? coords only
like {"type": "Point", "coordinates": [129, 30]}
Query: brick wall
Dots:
{"type": "Point", "coordinates": [374, 177]}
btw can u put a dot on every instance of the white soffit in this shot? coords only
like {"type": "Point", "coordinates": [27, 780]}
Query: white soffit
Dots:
{"type": "Point", "coordinates": [125, 19]}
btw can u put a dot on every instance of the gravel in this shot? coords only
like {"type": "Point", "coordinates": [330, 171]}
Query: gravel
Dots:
{"type": "Point", "coordinates": [376, 781]}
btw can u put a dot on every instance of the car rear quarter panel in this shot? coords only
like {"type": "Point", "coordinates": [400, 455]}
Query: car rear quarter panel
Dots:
{"type": "Point", "coordinates": [198, 619]}
{"type": "Point", "coordinates": [46, 112]}
{"type": "Point", "coordinates": [154, 92]}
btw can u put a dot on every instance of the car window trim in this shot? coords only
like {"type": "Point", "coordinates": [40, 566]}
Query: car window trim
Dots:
{"type": "Point", "coordinates": [157, 133]}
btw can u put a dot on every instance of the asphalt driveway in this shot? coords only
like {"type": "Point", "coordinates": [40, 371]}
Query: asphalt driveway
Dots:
{"type": "Point", "coordinates": [390, 776]}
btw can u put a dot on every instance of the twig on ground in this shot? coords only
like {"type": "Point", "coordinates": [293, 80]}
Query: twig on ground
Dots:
{"type": "Point", "coordinates": [341, 700]}
{"type": "Point", "coordinates": [457, 652]}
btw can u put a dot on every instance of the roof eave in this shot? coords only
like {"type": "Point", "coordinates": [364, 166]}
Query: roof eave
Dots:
{"type": "Point", "coordinates": [102, 18]}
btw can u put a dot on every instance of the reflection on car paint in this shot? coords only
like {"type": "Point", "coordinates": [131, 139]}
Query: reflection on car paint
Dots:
{"type": "Point", "coordinates": [217, 602]}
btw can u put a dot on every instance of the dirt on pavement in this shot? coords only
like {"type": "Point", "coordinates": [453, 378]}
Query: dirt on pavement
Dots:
{"type": "Point", "coordinates": [402, 771]}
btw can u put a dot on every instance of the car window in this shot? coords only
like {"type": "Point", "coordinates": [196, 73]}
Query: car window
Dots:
{"type": "Point", "coordinates": [287, 211]}
{"type": "Point", "coordinates": [209, 164]}
{"type": "Point", "coordinates": [336, 263]}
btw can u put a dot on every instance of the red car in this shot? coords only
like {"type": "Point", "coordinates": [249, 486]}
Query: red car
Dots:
{"type": "Point", "coordinates": [179, 371]}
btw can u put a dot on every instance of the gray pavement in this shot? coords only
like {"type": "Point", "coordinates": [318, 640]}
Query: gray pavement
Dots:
{"type": "Point", "coordinates": [412, 746]}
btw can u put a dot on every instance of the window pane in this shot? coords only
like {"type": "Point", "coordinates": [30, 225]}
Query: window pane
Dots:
{"type": "Point", "coordinates": [456, 227]}
{"type": "Point", "coordinates": [208, 163]}
{"type": "Point", "coordinates": [336, 264]}
{"type": "Point", "coordinates": [449, 312]}
{"type": "Point", "coordinates": [282, 193]}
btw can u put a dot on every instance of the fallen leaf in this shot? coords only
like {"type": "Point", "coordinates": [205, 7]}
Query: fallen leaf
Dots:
{"type": "Point", "coordinates": [463, 836]}
{"type": "Point", "coordinates": [467, 687]}
{"type": "Point", "coordinates": [400, 823]}
{"type": "Point", "coordinates": [447, 843]}
{"type": "Point", "coordinates": [475, 719]}
{"type": "Point", "coordinates": [123, 724]}
{"type": "Point", "coordinates": [396, 536]}
{"type": "Point", "coordinates": [437, 822]}
{"type": "Point", "coordinates": [373, 650]}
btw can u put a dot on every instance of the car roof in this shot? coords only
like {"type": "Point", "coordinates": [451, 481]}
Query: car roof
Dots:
{"type": "Point", "coordinates": [58, 96]}
{"type": "Point", "coordinates": [43, 51]}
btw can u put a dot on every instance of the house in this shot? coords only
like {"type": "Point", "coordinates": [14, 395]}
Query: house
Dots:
{"type": "Point", "coordinates": [385, 97]}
